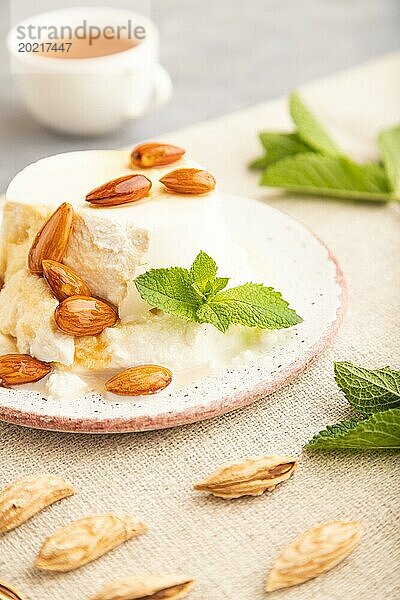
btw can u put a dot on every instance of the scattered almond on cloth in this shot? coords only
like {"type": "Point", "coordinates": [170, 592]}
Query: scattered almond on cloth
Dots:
{"type": "Point", "coordinates": [85, 540]}
{"type": "Point", "coordinates": [251, 477]}
{"type": "Point", "coordinates": [317, 550]}
{"type": "Point", "coordinates": [171, 587]}
{"type": "Point", "coordinates": [26, 497]}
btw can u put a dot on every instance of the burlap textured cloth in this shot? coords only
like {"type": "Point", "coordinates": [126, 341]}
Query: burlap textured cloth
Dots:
{"type": "Point", "coordinates": [230, 546]}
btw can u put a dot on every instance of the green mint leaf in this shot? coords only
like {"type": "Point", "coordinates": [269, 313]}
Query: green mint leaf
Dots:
{"type": "Point", "coordinates": [251, 305]}
{"type": "Point", "coordinates": [381, 430]}
{"type": "Point", "coordinates": [217, 315]}
{"type": "Point", "coordinates": [278, 146]}
{"type": "Point", "coordinates": [328, 176]}
{"type": "Point", "coordinates": [203, 270]}
{"type": "Point", "coordinates": [389, 143]}
{"type": "Point", "coordinates": [220, 283]}
{"type": "Point", "coordinates": [309, 128]}
{"type": "Point", "coordinates": [281, 145]}
{"type": "Point", "coordinates": [368, 391]}
{"type": "Point", "coordinates": [170, 290]}
{"type": "Point", "coordinates": [259, 163]}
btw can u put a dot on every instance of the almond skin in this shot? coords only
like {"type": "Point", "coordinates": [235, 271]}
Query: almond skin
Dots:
{"type": "Point", "coordinates": [139, 381]}
{"type": "Point", "coordinates": [85, 540]}
{"type": "Point", "coordinates": [8, 593]}
{"type": "Point", "coordinates": [129, 188]}
{"type": "Point", "coordinates": [16, 369]}
{"type": "Point", "coordinates": [146, 587]}
{"type": "Point", "coordinates": [317, 550]}
{"type": "Point", "coordinates": [189, 181]}
{"type": "Point", "coordinates": [250, 477]}
{"type": "Point", "coordinates": [84, 315]}
{"type": "Point", "coordinates": [63, 281]}
{"type": "Point", "coordinates": [52, 239]}
{"type": "Point", "coordinates": [26, 497]}
{"type": "Point", "coordinates": [155, 154]}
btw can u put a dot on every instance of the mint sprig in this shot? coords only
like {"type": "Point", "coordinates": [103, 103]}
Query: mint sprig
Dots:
{"type": "Point", "coordinates": [308, 161]}
{"type": "Point", "coordinates": [198, 295]}
{"type": "Point", "coordinates": [372, 393]}
{"type": "Point", "coordinates": [380, 431]}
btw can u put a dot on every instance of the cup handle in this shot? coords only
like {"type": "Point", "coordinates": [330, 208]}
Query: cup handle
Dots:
{"type": "Point", "coordinates": [146, 94]}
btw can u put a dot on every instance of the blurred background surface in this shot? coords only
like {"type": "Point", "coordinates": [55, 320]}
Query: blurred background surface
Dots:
{"type": "Point", "coordinates": [222, 56]}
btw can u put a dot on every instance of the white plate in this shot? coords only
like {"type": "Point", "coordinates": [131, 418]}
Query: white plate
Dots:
{"type": "Point", "coordinates": [295, 262]}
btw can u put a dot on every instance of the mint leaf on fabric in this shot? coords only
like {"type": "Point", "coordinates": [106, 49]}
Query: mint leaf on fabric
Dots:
{"type": "Point", "coordinates": [309, 128]}
{"type": "Point", "coordinates": [281, 145]}
{"type": "Point", "coordinates": [308, 161]}
{"type": "Point", "coordinates": [259, 163]}
{"type": "Point", "coordinates": [381, 430]}
{"type": "Point", "coordinates": [169, 290]}
{"type": "Point", "coordinates": [389, 143]}
{"type": "Point", "coordinates": [328, 176]}
{"type": "Point", "coordinates": [197, 295]}
{"type": "Point", "coordinates": [368, 391]}
{"type": "Point", "coordinates": [252, 305]}
{"type": "Point", "coordinates": [278, 146]}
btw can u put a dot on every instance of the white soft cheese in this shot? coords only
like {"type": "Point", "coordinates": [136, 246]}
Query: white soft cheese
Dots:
{"type": "Point", "coordinates": [109, 243]}
{"type": "Point", "coordinates": [7, 344]}
{"type": "Point", "coordinates": [64, 385]}
{"type": "Point", "coordinates": [164, 339]}
{"type": "Point", "coordinates": [26, 313]}
{"type": "Point", "coordinates": [108, 248]}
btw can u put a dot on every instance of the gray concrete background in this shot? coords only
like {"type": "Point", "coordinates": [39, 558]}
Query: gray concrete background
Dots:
{"type": "Point", "coordinates": [223, 55]}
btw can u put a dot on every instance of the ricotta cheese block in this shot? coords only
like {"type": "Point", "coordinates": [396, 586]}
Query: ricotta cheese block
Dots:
{"type": "Point", "coordinates": [108, 244]}
{"type": "Point", "coordinates": [108, 247]}
{"type": "Point", "coordinates": [26, 313]}
{"type": "Point", "coordinates": [61, 383]}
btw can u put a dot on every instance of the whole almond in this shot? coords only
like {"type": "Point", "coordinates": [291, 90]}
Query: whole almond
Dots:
{"type": "Point", "coordinates": [84, 315]}
{"type": "Point", "coordinates": [155, 154]}
{"type": "Point", "coordinates": [28, 496]}
{"type": "Point", "coordinates": [139, 381]}
{"type": "Point", "coordinates": [189, 181]}
{"type": "Point", "coordinates": [52, 239]}
{"type": "Point", "coordinates": [129, 188]}
{"type": "Point", "coordinates": [317, 550]}
{"type": "Point", "coordinates": [9, 593]}
{"type": "Point", "coordinates": [171, 587]}
{"type": "Point", "coordinates": [251, 477]}
{"type": "Point", "coordinates": [16, 369]}
{"type": "Point", "coordinates": [85, 540]}
{"type": "Point", "coordinates": [63, 281]}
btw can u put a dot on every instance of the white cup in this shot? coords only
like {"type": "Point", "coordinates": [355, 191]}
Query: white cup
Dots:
{"type": "Point", "coordinates": [90, 96]}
